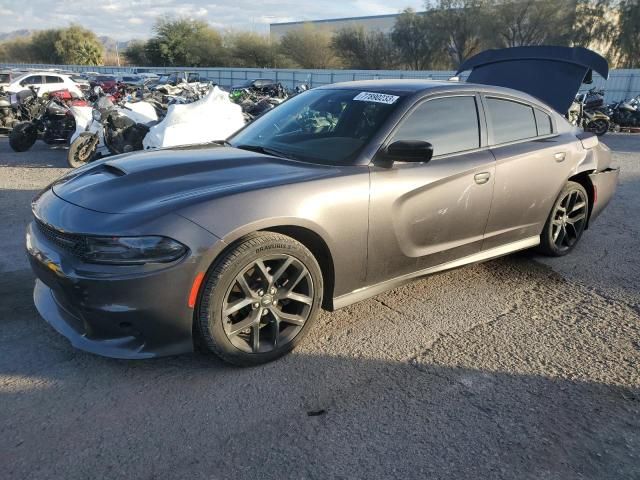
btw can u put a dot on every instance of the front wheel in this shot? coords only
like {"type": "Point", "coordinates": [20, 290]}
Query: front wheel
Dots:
{"type": "Point", "coordinates": [82, 150]}
{"type": "Point", "coordinates": [259, 299]}
{"type": "Point", "coordinates": [566, 222]}
{"type": "Point", "coordinates": [23, 136]}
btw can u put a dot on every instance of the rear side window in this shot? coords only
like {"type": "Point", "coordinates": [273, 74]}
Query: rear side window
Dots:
{"type": "Point", "coordinates": [449, 124]}
{"type": "Point", "coordinates": [543, 122]}
{"type": "Point", "coordinates": [52, 79]}
{"type": "Point", "coordinates": [511, 121]}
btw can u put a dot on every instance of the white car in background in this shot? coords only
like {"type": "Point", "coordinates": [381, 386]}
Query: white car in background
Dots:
{"type": "Point", "coordinates": [44, 82]}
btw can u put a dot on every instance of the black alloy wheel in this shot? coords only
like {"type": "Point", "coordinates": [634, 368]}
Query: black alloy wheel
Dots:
{"type": "Point", "coordinates": [259, 299]}
{"type": "Point", "coordinates": [567, 221]}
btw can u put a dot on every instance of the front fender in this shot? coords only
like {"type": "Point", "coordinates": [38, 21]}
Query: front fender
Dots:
{"type": "Point", "coordinates": [335, 209]}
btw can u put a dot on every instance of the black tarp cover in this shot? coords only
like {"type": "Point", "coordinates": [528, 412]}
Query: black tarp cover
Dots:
{"type": "Point", "coordinates": [552, 74]}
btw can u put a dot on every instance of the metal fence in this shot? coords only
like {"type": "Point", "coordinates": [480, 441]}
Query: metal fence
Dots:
{"type": "Point", "coordinates": [622, 84]}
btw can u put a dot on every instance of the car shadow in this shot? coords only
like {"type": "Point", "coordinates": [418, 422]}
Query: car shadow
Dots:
{"type": "Point", "coordinates": [329, 410]}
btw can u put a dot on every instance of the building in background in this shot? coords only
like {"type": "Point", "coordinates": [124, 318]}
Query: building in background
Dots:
{"type": "Point", "coordinates": [382, 23]}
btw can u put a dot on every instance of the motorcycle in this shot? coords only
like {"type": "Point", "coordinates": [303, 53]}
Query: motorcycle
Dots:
{"type": "Point", "coordinates": [112, 130]}
{"type": "Point", "coordinates": [15, 108]}
{"type": "Point", "coordinates": [52, 121]}
{"type": "Point", "coordinates": [585, 113]}
{"type": "Point", "coordinates": [625, 113]}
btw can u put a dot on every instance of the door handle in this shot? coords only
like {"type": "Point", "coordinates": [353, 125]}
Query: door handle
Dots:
{"type": "Point", "coordinates": [482, 178]}
{"type": "Point", "coordinates": [560, 156]}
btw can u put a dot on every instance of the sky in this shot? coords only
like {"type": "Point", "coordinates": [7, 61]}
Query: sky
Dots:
{"type": "Point", "coordinates": [128, 19]}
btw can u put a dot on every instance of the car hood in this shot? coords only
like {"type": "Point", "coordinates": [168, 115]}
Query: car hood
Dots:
{"type": "Point", "coordinates": [177, 177]}
{"type": "Point", "coordinates": [552, 74]}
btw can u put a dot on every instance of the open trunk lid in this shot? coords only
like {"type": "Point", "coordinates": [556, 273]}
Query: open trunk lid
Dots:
{"type": "Point", "coordinates": [552, 74]}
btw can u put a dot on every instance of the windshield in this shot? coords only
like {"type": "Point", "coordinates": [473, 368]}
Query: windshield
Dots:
{"type": "Point", "coordinates": [319, 126]}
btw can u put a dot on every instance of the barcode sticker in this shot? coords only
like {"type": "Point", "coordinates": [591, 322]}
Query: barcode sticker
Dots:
{"type": "Point", "coordinates": [376, 97]}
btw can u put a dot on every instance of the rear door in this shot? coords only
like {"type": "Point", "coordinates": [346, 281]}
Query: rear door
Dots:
{"type": "Point", "coordinates": [532, 165]}
{"type": "Point", "coordinates": [425, 214]}
{"type": "Point", "coordinates": [52, 83]}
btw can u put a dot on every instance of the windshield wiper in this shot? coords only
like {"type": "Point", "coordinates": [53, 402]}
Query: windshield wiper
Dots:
{"type": "Point", "coordinates": [266, 150]}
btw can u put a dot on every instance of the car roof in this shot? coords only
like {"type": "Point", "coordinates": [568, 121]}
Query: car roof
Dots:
{"type": "Point", "coordinates": [41, 72]}
{"type": "Point", "coordinates": [414, 86]}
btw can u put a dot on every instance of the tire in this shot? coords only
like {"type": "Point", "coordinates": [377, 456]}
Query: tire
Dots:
{"type": "Point", "coordinates": [599, 127]}
{"type": "Point", "coordinates": [566, 222]}
{"type": "Point", "coordinates": [82, 150]}
{"type": "Point", "coordinates": [23, 136]}
{"type": "Point", "coordinates": [267, 317]}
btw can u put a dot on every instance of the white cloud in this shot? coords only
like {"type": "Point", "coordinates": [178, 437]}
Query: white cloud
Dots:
{"type": "Point", "coordinates": [125, 19]}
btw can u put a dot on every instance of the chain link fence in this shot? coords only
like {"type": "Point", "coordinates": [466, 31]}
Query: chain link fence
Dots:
{"type": "Point", "coordinates": [622, 84]}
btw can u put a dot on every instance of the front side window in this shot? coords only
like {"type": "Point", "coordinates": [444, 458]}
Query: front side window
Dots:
{"type": "Point", "coordinates": [329, 126]}
{"type": "Point", "coordinates": [52, 79]}
{"type": "Point", "coordinates": [449, 124]}
{"type": "Point", "coordinates": [511, 121]}
{"type": "Point", "coordinates": [32, 80]}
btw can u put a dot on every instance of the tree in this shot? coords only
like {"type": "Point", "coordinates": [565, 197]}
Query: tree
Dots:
{"type": "Point", "coordinates": [248, 49]}
{"type": "Point", "coordinates": [627, 42]}
{"type": "Point", "coordinates": [136, 53]}
{"type": "Point", "coordinates": [460, 25]}
{"type": "Point", "coordinates": [364, 50]}
{"type": "Point", "coordinates": [78, 46]}
{"type": "Point", "coordinates": [17, 50]}
{"type": "Point", "coordinates": [43, 46]}
{"type": "Point", "coordinates": [419, 44]}
{"type": "Point", "coordinates": [593, 24]}
{"type": "Point", "coordinates": [308, 47]}
{"type": "Point", "coordinates": [184, 42]}
{"type": "Point", "coordinates": [532, 22]}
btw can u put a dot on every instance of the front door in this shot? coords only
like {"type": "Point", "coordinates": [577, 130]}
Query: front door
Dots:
{"type": "Point", "coordinates": [426, 214]}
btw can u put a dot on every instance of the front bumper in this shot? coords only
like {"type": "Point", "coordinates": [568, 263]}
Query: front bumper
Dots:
{"type": "Point", "coordinates": [128, 315]}
{"type": "Point", "coordinates": [130, 312]}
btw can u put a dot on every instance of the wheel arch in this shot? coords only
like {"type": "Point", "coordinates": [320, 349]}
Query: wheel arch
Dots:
{"type": "Point", "coordinates": [320, 250]}
{"type": "Point", "coordinates": [308, 237]}
{"type": "Point", "coordinates": [583, 179]}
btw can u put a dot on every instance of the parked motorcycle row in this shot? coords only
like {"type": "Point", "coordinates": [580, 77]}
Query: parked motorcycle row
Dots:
{"type": "Point", "coordinates": [111, 117]}
{"type": "Point", "coordinates": [589, 112]}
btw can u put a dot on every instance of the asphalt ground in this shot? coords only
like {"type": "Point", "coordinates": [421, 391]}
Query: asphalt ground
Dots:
{"type": "Point", "coordinates": [520, 368]}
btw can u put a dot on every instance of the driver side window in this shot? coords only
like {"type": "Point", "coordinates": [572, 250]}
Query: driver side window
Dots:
{"type": "Point", "coordinates": [450, 124]}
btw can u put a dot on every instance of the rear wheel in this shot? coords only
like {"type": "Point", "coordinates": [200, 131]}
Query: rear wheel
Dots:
{"type": "Point", "coordinates": [566, 222]}
{"type": "Point", "coordinates": [599, 127]}
{"type": "Point", "coordinates": [259, 299]}
{"type": "Point", "coordinates": [23, 136]}
{"type": "Point", "coordinates": [82, 150]}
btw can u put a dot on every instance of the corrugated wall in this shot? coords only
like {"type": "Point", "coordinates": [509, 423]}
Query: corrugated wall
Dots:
{"type": "Point", "coordinates": [622, 84]}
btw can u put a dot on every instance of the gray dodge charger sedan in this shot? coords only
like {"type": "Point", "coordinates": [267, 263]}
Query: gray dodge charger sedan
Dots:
{"type": "Point", "coordinates": [338, 194]}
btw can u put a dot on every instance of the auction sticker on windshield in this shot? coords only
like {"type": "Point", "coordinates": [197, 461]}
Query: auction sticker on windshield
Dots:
{"type": "Point", "coordinates": [376, 97]}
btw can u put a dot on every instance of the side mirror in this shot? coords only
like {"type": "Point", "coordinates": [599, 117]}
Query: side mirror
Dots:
{"type": "Point", "coordinates": [409, 151]}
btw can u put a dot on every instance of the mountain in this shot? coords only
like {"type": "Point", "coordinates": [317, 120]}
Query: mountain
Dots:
{"type": "Point", "coordinates": [15, 34]}
{"type": "Point", "coordinates": [110, 43]}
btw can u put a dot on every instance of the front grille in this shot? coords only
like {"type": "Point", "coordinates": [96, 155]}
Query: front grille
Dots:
{"type": "Point", "coordinates": [72, 243]}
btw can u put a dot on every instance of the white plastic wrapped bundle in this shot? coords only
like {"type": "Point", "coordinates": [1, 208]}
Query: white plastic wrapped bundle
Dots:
{"type": "Point", "coordinates": [211, 118]}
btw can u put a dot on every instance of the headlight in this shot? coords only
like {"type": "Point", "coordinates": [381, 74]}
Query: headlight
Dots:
{"type": "Point", "coordinates": [132, 250]}
{"type": "Point", "coordinates": [96, 115]}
